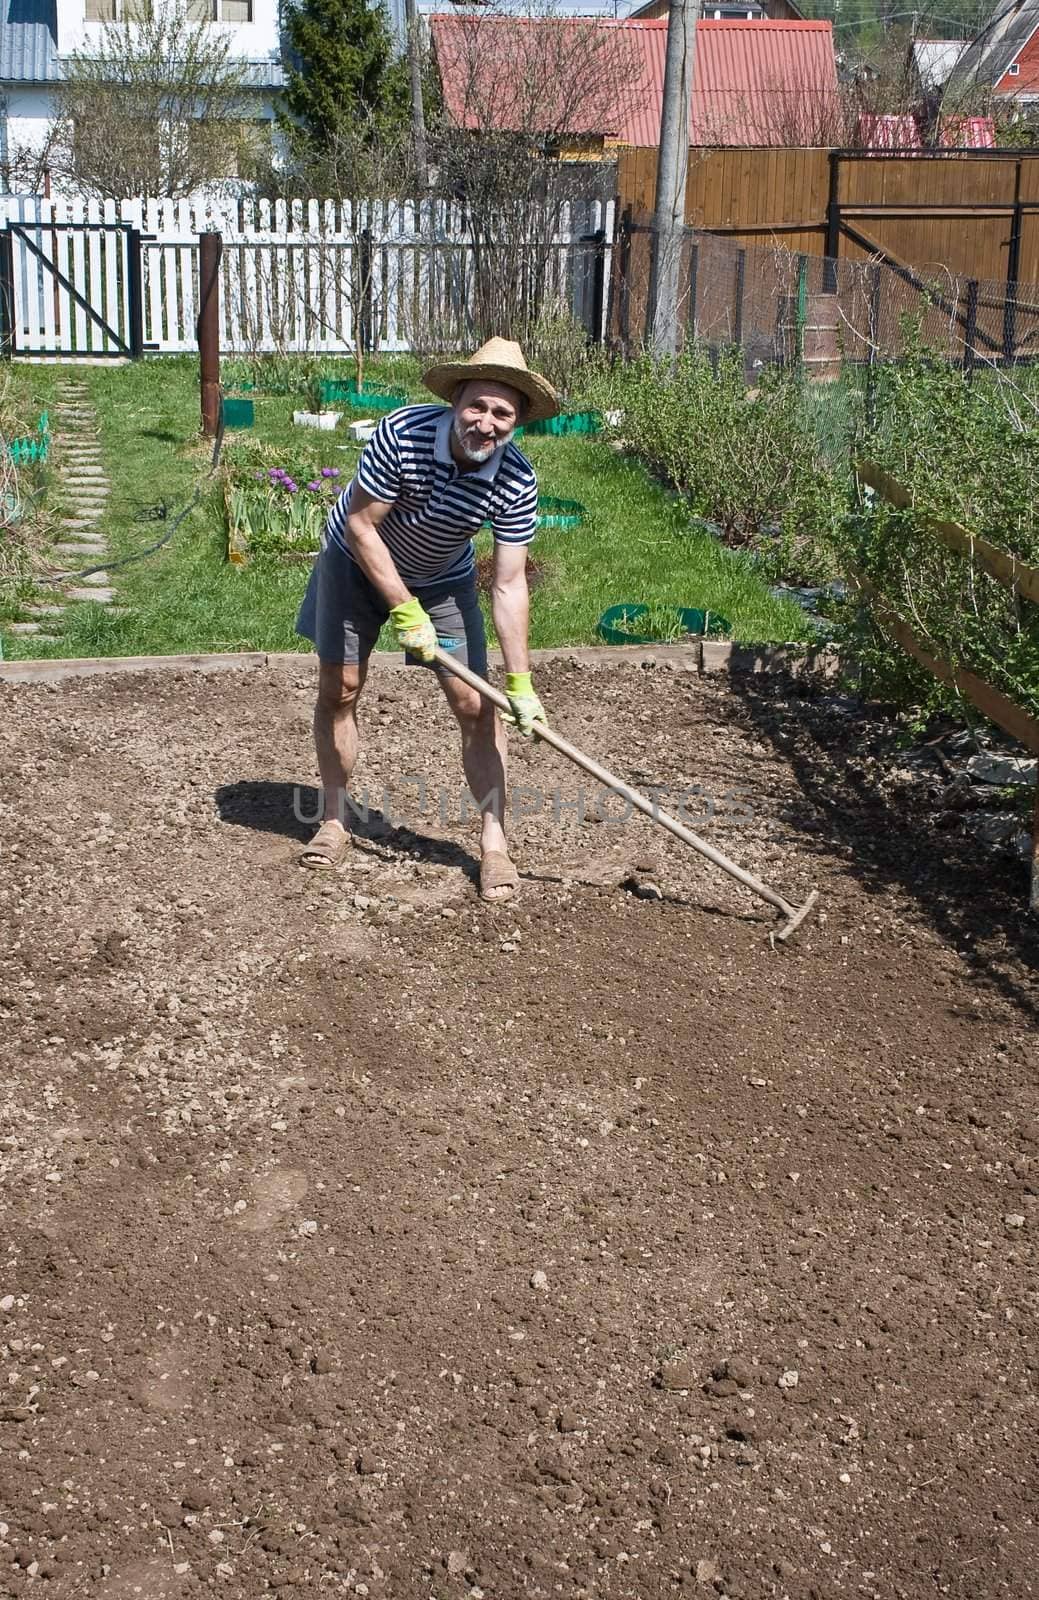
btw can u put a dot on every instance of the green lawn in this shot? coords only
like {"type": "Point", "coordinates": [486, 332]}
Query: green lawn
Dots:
{"type": "Point", "coordinates": [638, 544]}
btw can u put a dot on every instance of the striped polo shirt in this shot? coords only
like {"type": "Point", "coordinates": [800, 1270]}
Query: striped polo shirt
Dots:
{"type": "Point", "coordinates": [435, 508]}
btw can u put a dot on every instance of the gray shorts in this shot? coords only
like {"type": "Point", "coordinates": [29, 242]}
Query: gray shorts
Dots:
{"type": "Point", "coordinates": [342, 613]}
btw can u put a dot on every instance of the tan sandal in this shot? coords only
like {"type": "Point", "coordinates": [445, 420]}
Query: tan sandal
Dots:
{"type": "Point", "coordinates": [497, 872]}
{"type": "Point", "coordinates": [328, 849]}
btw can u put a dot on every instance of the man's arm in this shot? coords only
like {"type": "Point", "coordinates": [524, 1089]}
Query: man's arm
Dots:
{"type": "Point", "coordinates": [369, 550]}
{"type": "Point", "coordinates": [510, 604]}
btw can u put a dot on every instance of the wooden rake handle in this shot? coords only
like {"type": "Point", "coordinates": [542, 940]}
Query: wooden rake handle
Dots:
{"type": "Point", "coordinates": [794, 915]}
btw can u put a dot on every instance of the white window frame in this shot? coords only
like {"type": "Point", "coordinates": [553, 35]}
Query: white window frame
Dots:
{"type": "Point", "coordinates": [1014, 69]}
{"type": "Point", "coordinates": [119, 9]}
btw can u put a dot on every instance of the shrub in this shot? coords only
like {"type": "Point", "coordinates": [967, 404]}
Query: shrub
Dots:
{"type": "Point", "coordinates": [967, 451]}
{"type": "Point", "coordinates": [747, 459]}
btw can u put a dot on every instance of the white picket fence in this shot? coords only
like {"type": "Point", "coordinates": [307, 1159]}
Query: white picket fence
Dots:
{"type": "Point", "coordinates": [86, 280]}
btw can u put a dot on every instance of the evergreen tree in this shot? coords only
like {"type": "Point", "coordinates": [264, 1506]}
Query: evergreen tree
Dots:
{"type": "Point", "coordinates": [345, 74]}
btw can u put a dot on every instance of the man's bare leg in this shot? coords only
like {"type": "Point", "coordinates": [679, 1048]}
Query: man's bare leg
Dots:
{"type": "Point", "coordinates": [336, 742]}
{"type": "Point", "coordinates": [484, 764]}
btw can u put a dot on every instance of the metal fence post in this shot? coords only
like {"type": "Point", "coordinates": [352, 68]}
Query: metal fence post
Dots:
{"type": "Point", "coordinates": [694, 273]}
{"type": "Point", "coordinates": [1013, 268]}
{"type": "Point", "coordinates": [624, 274]}
{"type": "Point", "coordinates": [598, 239]}
{"type": "Point", "coordinates": [135, 292]}
{"type": "Point", "coordinates": [873, 356]}
{"type": "Point", "coordinates": [366, 314]}
{"type": "Point", "coordinates": [7, 318]}
{"type": "Point", "coordinates": [741, 276]}
{"type": "Point", "coordinates": [970, 330]}
{"type": "Point", "coordinates": [802, 307]}
{"type": "Point", "coordinates": [833, 226]}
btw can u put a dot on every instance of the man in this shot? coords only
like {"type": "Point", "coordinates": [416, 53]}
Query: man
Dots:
{"type": "Point", "coordinates": [398, 545]}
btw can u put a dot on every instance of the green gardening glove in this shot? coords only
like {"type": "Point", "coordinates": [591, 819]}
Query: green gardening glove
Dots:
{"type": "Point", "coordinates": [413, 629]}
{"type": "Point", "coordinates": [526, 707]}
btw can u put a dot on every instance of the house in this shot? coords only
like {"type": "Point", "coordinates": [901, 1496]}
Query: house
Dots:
{"type": "Point", "coordinates": [35, 35]}
{"type": "Point", "coordinates": [757, 83]}
{"type": "Point", "coordinates": [1004, 58]}
{"type": "Point", "coordinates": [728, 10]}
{"type": "Point", "coordinates": [930, 65]}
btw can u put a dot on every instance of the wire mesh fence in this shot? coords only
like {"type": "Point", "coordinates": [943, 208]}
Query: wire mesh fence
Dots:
{"type": "Point", "coordinates": [836, 321]}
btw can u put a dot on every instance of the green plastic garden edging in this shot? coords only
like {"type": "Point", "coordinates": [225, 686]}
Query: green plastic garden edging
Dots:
{"type": "Point", "coordinates": [238, 413]}
{"type": "Point", "coordinates": [346, 391]}
{"type": "Point", "coordinates": [566, 422]}
{"type": "Point", "coordinates": [688, 619]}
{"type": "Point", "coordinates": [553, 513]}
{"type": "Point", "coordinates": [29, 449]}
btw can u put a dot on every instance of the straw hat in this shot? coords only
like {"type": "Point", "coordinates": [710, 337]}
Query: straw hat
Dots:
{"type": "Point", "coordinates": [498, 361]}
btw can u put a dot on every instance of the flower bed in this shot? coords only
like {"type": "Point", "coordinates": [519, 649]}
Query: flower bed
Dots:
{"type": "Point", "coordinates": [273, 511]}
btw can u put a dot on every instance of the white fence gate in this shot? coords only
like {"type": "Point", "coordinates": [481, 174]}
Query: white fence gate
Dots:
{"type": "Point", "coordinates": [85, 280]}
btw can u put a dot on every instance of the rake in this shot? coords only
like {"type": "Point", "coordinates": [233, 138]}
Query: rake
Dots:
{"type": "Point", "coordinates": [793, 915]}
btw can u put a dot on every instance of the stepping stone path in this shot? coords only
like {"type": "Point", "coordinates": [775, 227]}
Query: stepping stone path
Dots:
{"type": "Point", "coordinates": [82, 544]}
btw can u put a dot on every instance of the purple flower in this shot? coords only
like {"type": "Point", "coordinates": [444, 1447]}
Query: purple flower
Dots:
{"type": "Point", "coordinates": [330, 472]}
{"type": "Point", "coordinates": [315, 485]}
{"type": "Point", "coordinates": [288, 484]}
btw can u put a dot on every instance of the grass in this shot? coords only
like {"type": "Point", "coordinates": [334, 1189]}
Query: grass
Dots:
{"type": "Point", "coordinates": [638, 543]}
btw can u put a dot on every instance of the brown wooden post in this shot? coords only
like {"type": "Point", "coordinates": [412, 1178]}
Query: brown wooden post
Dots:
{"type": "Point", "coordinates": [208, 329]}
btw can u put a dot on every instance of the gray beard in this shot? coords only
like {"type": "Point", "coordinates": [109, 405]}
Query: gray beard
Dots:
{"type": "Point", "coordinates": [478, 456]}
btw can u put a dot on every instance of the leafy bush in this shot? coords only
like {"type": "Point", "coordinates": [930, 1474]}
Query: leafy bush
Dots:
{"type": "Point", "coordinates": [967, 452]}
{"type": "Point", "coordinates": [747, 459]}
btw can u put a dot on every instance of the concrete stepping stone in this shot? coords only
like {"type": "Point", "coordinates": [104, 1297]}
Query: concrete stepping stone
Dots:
{"type": "Point", "coordinates": [44, 611]}
{"type": "Point", "coordinates": [23, 627]}
{"type": "Point", "coordinates": [84, 525]}
{"type": "Point", "coordinates": [81, 551]}
{"type": "Point", "coordinates": [103, 597]}
{"type": "Point", "coordinates": [99, 580]}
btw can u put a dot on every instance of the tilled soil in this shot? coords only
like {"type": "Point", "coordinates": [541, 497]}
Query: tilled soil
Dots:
{"type": "Point", "coordinates": [363, 1238]}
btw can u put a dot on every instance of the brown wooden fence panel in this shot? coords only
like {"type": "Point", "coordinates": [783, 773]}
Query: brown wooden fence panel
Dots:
{"type": "Point", "coordinates": [759, 196]}
{"type": "Point", "coordinates": [949, 213]}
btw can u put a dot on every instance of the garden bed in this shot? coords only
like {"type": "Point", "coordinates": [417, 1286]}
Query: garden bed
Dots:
{"type": "Point", "coordinates": [600, 1247]}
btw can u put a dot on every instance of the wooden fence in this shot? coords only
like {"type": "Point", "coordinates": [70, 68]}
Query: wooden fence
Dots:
{"type": "Point", "coordinates": [973, 213]}
{"type": "Point", "coordinates": [87, 280]}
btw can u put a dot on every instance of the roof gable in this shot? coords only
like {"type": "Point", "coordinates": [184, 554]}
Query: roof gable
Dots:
{"type": "Point", "coordinates": [997, 46]}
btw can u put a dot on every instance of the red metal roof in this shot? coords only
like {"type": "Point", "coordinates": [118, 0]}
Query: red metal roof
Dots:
{"type": "Point", "coordinates": [755, 83]}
